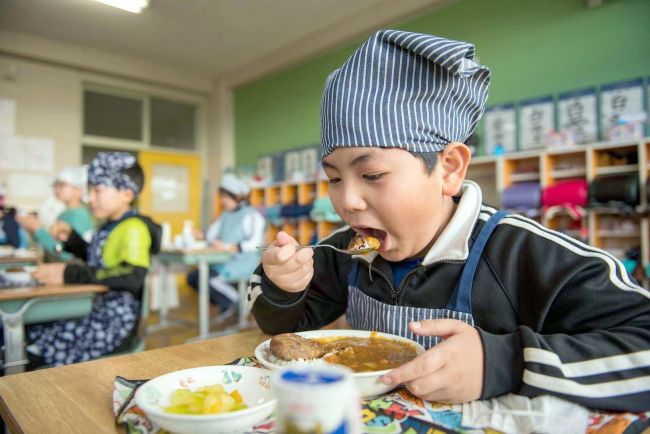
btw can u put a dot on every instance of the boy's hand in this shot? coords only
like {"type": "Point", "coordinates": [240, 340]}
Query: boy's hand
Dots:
{"type": "Point", "coordinates": [198, 234]}
{"type": "Point", "coordinates": [50, 274]}
{"type": "Point", "coordinates": [61, 231]}
{"type": "Point", "coordinates": [450, 372]}
{"type": "Point", "coordinates": [289, 268]}
{"type": "Point", "coordinates": [29, 222]}
{"type": "Point", "coordinates": [225, 247]}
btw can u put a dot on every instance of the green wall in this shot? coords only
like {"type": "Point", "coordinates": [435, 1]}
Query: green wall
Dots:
{"type": "Point", "coordinates": [534, 48]}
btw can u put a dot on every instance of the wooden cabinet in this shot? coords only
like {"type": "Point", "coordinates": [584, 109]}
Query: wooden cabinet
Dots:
{"type": "Point", "coordinates": [605, 228]}
{"type": "Point", "coordinates": [304, 229]}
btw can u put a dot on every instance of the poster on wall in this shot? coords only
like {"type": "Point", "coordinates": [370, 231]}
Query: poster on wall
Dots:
{"type": "Point", "coordinates": [293, 166]}
{"type": "Point", "coordinates": [577, 114]}
{"type": "Point", "coordinates": [265, 168]}
{"type": "Point", "coordinates": [12, 156]}
{"type": "Point", "coordinates": [536, 119]}
{"type": "Point", "coordinates": [500, 129]}
{"type": "Point", "coordinates": [39, 153]}
{"type": "Point", "coordinates": [621, 103]}
{"type": "Point", "coordinates": [7, 117]}
{"type": "Point", "coordinates": [311, 161]}
{"type": "Point", "coordinates": [170, 188]}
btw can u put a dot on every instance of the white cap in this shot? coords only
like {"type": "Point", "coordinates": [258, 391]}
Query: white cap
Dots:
{"type": "Point", "coordinates": [77, 176]}
{"type": "Point", "coordinates": [232, 184]}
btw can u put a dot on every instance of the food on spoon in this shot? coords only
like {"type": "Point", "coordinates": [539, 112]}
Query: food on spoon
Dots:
{"type": "Point", "coordinates": [364, 243]}
{"type": "Point", "coordinates": [205, 400]}
{"type": "Point", "coordinates": [289, 346]}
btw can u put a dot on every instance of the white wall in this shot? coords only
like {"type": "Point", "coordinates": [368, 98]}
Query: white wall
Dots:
{"type": "Point", "coordinates": [46, 81]}
{"type": "Point", "coordinates": [48, 104]}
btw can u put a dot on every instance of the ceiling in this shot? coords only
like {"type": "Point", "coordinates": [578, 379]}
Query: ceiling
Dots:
{"type": "Point", "coordinates": [212, 37]}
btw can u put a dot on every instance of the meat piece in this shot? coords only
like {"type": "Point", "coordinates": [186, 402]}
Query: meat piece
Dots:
{"type": "Point", "coordinates": [290, 346]}
{"type": "Point", "coordinates": [360, 242]}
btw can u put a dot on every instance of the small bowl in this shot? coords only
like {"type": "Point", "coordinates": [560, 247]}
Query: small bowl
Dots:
{"type": "Point", "coordinates": [254, 384]}
{"type": "Point", "coordinates": [368, 383]}
{"type": "Point", "coordinates": [18, 277]}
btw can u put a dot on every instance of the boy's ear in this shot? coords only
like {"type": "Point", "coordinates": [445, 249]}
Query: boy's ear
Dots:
{"type": "Point", "coordinates": [454, 161]}
{"type": "Point", "coordinates": [129, 195]}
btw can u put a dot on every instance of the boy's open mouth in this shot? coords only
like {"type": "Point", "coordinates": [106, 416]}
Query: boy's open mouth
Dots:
{"type": "Point", "coordinates": [372, 232]}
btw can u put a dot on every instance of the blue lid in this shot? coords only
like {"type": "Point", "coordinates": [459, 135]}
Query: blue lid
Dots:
{"type": "Point", "coordinates": [311, 376]}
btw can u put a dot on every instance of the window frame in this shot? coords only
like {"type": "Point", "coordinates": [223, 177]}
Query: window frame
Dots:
{"type": "Point", "coordinates": [145, 144]}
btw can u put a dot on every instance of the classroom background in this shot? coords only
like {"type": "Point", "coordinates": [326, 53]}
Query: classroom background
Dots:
{"type": "Point", "coordinates": [199, 89]}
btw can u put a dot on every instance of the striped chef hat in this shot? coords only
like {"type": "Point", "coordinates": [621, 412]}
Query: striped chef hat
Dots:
{"type": "Point", "coordinates": [404, 90]}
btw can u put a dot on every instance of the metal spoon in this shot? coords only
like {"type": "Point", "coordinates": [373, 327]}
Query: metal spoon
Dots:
{"type": "Point", "coordinates": [367, 245]}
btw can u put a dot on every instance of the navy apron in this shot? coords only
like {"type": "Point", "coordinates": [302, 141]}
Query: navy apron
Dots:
{"type": "Point", "coordinates": [366, 313]}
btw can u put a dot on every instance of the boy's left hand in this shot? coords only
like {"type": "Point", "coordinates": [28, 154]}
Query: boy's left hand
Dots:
{"type": "Point", "coordinates": [50, 274]}
{"type": "Point", "coordinates": [224, 247]}
{"type": "Point", "coordinates": [450, 372]}
{"type": "Point", "coordinates": [29, 222]}
{"type": "Point", "coordinates": [61, 231]}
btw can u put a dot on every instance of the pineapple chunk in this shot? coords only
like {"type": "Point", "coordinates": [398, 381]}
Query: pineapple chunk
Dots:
{"type": "Point", "coordinates": [205, 400]}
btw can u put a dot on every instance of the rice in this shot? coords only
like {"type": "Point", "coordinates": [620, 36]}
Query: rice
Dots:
{"type": "Point", "coordinates": [294, 363]}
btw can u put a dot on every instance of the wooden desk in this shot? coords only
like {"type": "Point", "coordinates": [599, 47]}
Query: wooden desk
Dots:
{"type": "Point", "coordinates": [26, 293]}
{"type": "Point", "coordinates": [203, 258]}
{"type": "Point", "coordinates": [76, 398]}
{"type": "Point", "coordinates": [20, 306]}
{"type": "Point", "coordinates": [16, 261]}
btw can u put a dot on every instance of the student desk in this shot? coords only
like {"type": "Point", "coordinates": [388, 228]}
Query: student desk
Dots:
{"type": "Point", "coordinates": [76, 398]}
{"type": "Point", "coordinates": [203, 258]}
{"type": "Point", "coordinates": [16, 261]}
{"type": "Point", "coordinates": [29, 305]}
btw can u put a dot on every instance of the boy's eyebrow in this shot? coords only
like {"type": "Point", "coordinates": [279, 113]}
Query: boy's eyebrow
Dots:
{"type": "Point", "coordinates": [363, 158]}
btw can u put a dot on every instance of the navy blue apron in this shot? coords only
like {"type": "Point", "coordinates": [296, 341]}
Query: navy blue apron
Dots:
{"type": "Point", "coordinates": [366, 313]}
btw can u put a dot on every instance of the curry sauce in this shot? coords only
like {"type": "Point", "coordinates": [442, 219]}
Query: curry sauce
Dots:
{"type": "Point", "coordinates": [367, 354]}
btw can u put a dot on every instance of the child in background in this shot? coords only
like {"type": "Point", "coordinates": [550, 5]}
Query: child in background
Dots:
{"type": "Point", "coordinates": [501, 303]}
{"type": "Point", "coordinates": [11, 233]}
{"type": "Point", "coordinates": [118, 256]}
{"type": "Point", "coordinates": [69, 188]}
{"type": "Point", "coordinates": [239, 230]}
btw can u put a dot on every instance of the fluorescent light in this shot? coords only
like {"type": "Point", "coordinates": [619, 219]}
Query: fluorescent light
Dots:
{"type": "Point", "coordinates": [134, 6]}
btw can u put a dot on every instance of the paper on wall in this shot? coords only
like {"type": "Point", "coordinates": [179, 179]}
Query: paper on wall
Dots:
{"type": "Point", "coordinates": [7, 116]}
{"type": "Point", "coordinates": [12, 156]}
{"type": "Point", "coordinates": [536, 120]}
{"type": "Point", "coordinates": [500, 129]}
{"type": "Point", "coordinates": [28, 185]}
{"type": "Point", "coordinates": [577, 114]}
{"type": "Point", "coordinates": [27, 153]}
{"type": "Point", "coordinates": [170, 187]}
{"type": "Point", "coordinates": [39, 154]}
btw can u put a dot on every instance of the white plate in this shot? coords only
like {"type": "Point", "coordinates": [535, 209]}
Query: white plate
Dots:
{"type": "Point", "coordinates": [18, 277]}
{"type": "Point", "coordinates": [254, 384]}
{"type": "Point", "coordinates": [369, 383]}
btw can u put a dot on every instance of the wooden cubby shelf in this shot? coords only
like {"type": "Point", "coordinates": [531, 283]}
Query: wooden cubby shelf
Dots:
{"type": "Point", "coordinates": [303, 228]}
{"type": "Point", "coordinates": [608, 229]}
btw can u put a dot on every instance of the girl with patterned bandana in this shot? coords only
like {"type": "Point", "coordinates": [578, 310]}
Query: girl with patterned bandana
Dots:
{"type": "Point", "coordinates": [118, 256]}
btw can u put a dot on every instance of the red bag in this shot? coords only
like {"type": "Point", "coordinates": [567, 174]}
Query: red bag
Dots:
{"type": "Point", "coordinates": [570, 192]}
